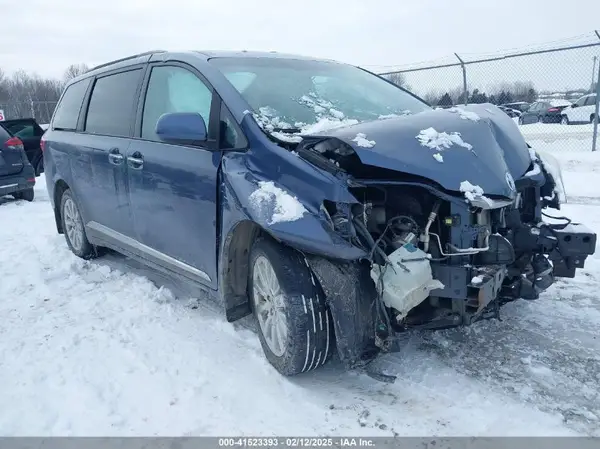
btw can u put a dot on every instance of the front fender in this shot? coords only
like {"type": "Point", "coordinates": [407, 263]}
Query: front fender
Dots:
{"type": "Point", "coordinates": [310, 233]}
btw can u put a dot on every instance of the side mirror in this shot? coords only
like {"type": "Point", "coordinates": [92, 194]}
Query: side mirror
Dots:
{"type": "Point", "coordinates": [574, 105]}
{"type": "Point", "coordinates": [181, 128]}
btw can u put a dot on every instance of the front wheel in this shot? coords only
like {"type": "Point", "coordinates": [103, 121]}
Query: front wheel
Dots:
{"type": "Point", "coordinates": [592, 117]}
{"type": "Point", "coordinates": [564, 120]}
{"type": "Point", "coordinates": [294, 324]}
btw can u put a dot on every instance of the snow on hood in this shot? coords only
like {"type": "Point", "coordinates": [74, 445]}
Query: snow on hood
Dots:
{"type": "Point", "coordinates": [488, 149]}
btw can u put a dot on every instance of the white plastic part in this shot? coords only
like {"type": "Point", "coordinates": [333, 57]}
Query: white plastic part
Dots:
{"type": "Point", "coordinates": [404, 290]}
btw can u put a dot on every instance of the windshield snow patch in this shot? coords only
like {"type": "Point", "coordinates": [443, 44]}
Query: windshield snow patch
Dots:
{"type": "Point", "coordinates": [402, 114]}
{"type": "Point", "coordinates": [441, 140]}
{"type": "Point", "coordinates": [362, 141]}
{"type": "Point", "coordinates": [465, 115]}
{"type": "Point", "coordinates": [287, 132]}
{"type": "Point", "coordinates": [438, 157]}
{"type": "Point", "coordinates": [472, 192]}
{"type": "Point", "coordinates": [272, 201]}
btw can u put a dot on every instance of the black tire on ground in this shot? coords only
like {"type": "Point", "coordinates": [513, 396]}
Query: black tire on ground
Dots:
{"type": "Point", "coordinates": [592, 117]}
{"type": "Point", "coordinates": [310, 336]}
{"type": "Point", "coordinates": [39, 166]}
{"type": "Point", "coordinates": [26, 195]}
{"type": "Point", "coordinates": [87, 250]}
{"type": "Point", "coordinates": [520, 120]}
{"type": "Point", "coordinates": [564, 120]}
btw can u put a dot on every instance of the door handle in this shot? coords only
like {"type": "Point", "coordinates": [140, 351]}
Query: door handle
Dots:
{"type": "Point", "coordinates": [136, 160]}
{"type": "Point", "coordinates": [114, 156]}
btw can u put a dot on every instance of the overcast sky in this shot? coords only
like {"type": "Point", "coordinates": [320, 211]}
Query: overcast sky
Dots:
{"type": "Point", "coordinates": [45, 36]}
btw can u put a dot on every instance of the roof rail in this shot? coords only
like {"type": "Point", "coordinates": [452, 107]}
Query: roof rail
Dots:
{"type": "Point", "coordinates": [139, 55]}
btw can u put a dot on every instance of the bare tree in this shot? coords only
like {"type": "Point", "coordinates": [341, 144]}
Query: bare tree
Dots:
{"type": "Point", "coordinates": [73, 71]}
{"type": "Point", "coordinates": [399, 79]}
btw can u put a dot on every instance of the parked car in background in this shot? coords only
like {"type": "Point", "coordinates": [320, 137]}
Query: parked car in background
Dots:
{"type": "Point", "coordinates": [275, 183]}
{"type": "Point", "coordinates": [582, 111]}
{"type": "Point", "coordinates": [30, 133]}
{"type": "Point", "coordinates": [520, 106]}
{"type": "Point", "coordinates": [512, 113]}
{"type": "Point", "coordinates": [546, 111]}
{"type": "Point", "coordinates": [17, 177]}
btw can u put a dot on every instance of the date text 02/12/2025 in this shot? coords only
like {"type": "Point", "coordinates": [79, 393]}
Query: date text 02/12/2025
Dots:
{"type": "Point", "coordinates": [295, 442]}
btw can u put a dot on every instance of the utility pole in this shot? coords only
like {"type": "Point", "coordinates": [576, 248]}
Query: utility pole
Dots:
{"type": "Point", "coordinates": [594, 74]}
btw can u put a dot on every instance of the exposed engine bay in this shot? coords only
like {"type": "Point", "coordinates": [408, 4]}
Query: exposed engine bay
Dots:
{"type": "Point", "coordinates": [440, 260]}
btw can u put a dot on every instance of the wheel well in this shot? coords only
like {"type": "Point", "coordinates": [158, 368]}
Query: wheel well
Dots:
{"type": "Point", "coordinates": [234, 271]}
{"type": "Point", "coordinates": [59, 188]}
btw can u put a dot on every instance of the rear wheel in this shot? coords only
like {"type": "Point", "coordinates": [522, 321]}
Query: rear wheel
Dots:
{"type": "Point", "coordinates": [294, 325]}
{"type": "Point", "coordinates": [592, 117]}
{"type": "Point", "coordinates": [72, 225]}
{"type": "Point", "coordinates": [26, 195]}
{"type": "Point", "coordinates": [564, 120]}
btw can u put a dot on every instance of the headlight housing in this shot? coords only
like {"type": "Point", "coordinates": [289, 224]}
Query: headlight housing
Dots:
{"type": "Point", "coordinates": [552, 167]}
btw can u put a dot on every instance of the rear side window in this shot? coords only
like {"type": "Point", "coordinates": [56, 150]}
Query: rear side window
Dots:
{"type": "Point", "coordinates": [111, 109]}
{"type": "Point", "coordinates": [591, 100]}
{"type": "Point", "coordinates": [67, 111]}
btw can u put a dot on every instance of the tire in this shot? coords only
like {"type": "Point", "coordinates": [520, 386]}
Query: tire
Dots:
{"type": "Point", "coordinates": [564, 120]}
{"type": "Point", "coordinates": [308, 340]}
{"type": "Point", "coordinates": [540, 119]}
{"type": "Point", "coordinates": [39, 167]}
{"type": "Point", "coordinates": [26, 195]}
{"type": "Point", "coordinates": [592, 118]}
{"type": "Point", "coordinates": [521, 120]}
{"type": "Point", "coordinates": [71, 219]}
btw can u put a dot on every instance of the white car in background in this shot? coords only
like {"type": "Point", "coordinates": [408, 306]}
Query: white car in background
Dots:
{"type": "Point", "coordinates": [582, 111]}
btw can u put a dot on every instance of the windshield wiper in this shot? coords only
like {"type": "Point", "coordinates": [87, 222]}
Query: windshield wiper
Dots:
{"type": "Point", "coordinates": [287, 130]}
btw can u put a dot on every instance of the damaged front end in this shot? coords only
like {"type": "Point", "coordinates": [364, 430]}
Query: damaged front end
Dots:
{"type": "Point", "coordinates": [435, 258]}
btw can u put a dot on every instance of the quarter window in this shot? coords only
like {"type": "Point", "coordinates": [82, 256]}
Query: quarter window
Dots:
{"type": "Point", "coordinates": [67, 111]}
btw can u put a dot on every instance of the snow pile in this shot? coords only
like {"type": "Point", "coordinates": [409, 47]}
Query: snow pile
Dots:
{"type": "Point", "coordinates": [326, 124]}
{"type": "Point", "coordinates": [477, 280]}
{"type": "Point", "coordinates": [362, 141]}
{"type": "Point", "coordinates": [284, 206]}
{"type": "Point", "coordinates": [472, 192]}
{"type": "Point", "coordinates": [441, 140]}
{"type": "Point", "coordinates": [465, 115]}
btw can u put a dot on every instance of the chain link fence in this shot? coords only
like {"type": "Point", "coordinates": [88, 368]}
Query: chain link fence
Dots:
{"type": "Point", "coordinates": [41, 111]}
{"type": "Point", "coordinates": [553, 93]}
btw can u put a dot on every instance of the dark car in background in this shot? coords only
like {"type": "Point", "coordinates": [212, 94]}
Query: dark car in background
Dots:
{"type": "Point", "coordinates": [512, 113]}
{"type": "Point", "coordinates": [276, 184]}
{"type": "Point", "coordinates": [17, 177]}
{"type": "Point", "coordinates": [544, 111]}
{"type": "Point", "coordinates": [520, 106]}
{"type": "Point", "coordinates": [30, 133]}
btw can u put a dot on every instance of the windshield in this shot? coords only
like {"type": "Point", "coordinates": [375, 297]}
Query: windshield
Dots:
{"type": "Point", "coordinates": [294, 94]}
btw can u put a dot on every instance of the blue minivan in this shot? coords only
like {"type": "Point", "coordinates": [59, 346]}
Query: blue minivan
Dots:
{"type": "Point", "coordinates": [338, 208]}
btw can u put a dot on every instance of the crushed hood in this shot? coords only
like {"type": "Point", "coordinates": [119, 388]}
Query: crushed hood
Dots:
{"type": "Point", "coordinates": [491, 151]}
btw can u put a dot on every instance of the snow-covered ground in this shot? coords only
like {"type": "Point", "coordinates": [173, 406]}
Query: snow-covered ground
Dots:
{"type": "Point", "coordinates": [108, 347]}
